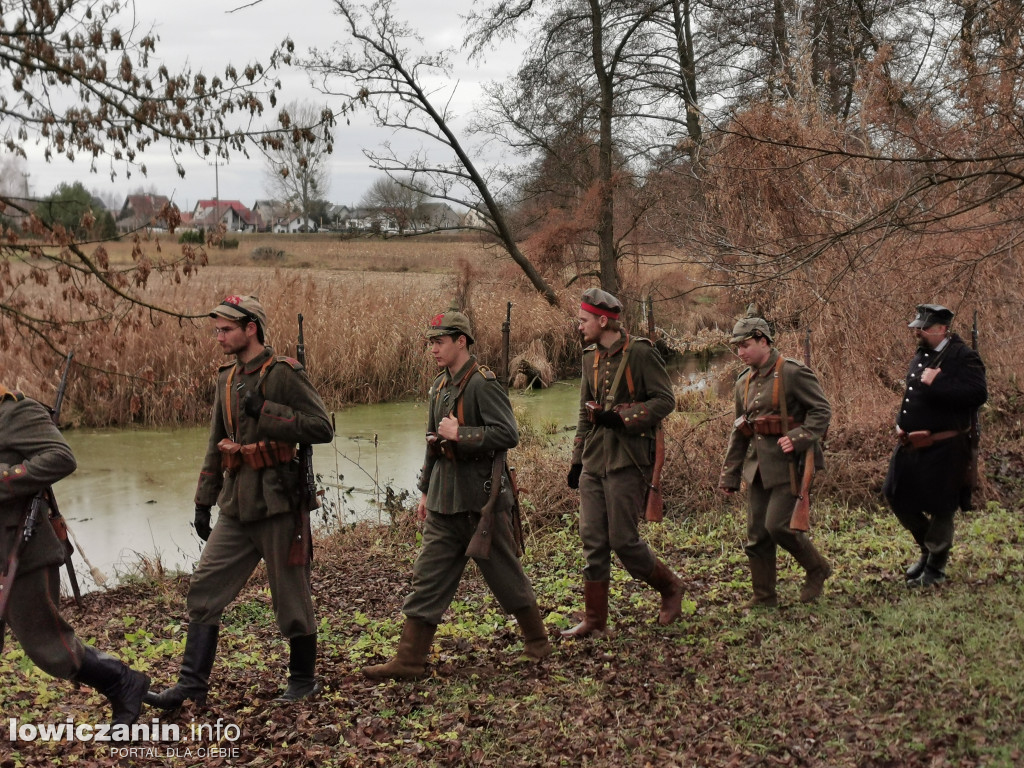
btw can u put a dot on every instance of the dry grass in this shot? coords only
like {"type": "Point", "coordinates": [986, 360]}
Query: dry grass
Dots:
{"type": "Point", "coordinates": [363, 330]}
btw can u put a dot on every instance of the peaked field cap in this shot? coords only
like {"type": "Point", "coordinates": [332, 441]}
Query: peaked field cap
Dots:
{"type": "Point", "coordinates": [598, 302]}
{"type": "Point", "coordinates": [749, 327]}
{"type": "Point", "coordinates": [931, 314]}
{"type": "Point", "coordinates": [246, 308]}
{"type": "Point", "coordinates": [450, 323]}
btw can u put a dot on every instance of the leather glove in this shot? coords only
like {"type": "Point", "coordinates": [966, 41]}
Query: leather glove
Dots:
{"type": "Point", "coordinates": [573, 481]}
{"type": "Point", "coordinates": [202, 521]}
{"type": "Point", "coordinates": [252, 403]}
{"type": "Point", "coordinates": [609, 419]}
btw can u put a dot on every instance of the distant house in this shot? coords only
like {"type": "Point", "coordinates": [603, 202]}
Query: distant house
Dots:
{"type": "Point", "coordinates": [141, 211]}
{"type": "Point", "coordinates": [337, 216]}
{"type": "Point", "coordinates": [268, 213]}
{"type": "Point", "coordinates": [231, 213]}
{"type": "Point", "coordinates": [295, 223]}
{"type": "Point", "coordinates": [435, 216]}
{"type": "Point", "coordinates": [473, 218]}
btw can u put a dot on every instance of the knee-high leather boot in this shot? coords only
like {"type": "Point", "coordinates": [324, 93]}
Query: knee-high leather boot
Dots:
{"type": "Point", "coordinates": [535, 635]}
{"type": "Point", "coordinates": [196, 664]}
{"type": "Point", "coordinates": [121, 684]}
{"type": "Point", "coordinates": [302, 680]}
{"type": "Point", "coordinates": [595, 617]}
{"type": "Point", "coordinates": [410, 659]}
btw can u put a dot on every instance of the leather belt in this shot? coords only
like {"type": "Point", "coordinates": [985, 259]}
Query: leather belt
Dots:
{"type": "Point", "coordinates": [923, 438]}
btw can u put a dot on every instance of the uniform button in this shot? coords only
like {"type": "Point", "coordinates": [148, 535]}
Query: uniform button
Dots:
{"type": "Point", "coordinates": [920, 365]}
{"type": "Point", "coordinates": [910, 389]}
{"type": "Point", "coordinates": [904, 410]}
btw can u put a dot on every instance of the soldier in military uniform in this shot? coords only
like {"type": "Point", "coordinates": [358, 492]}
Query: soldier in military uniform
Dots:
{"type": "Point", "coordinates": [928, 471]}
{"type": "Point", "coordinates": [763, 450]}
{"type": "Point", "coordinates": [625, 393]}
{"type": "Point", "coordinates": [33, 456]}
{"type": "Point", "coordinates": [470, 418]}
{"type": "Point", "coordinates": [264, 405]}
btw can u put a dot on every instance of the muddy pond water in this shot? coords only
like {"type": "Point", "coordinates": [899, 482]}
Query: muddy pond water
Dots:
{"type": "Point", "coordinates": [131, 498]}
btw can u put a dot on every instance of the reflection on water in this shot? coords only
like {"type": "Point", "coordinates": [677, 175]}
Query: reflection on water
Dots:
{"type": "Point", "coordinates": [133, 492]}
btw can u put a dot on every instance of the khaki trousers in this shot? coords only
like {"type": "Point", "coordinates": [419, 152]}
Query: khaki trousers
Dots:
{"type": "Point", "coordinates": [610, 511]}
{"type": "Point", "coordinates": [442, 559]}
{"type": "Point", "coordinates": [228, 560]}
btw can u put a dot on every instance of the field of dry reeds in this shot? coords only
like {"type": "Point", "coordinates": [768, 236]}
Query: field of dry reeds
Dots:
{"type": "Point", "coordinates": [365, 304]}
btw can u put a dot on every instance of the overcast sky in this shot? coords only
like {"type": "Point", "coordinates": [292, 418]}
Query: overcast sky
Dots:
{"type": "Point", "coordinates": [207, 36]}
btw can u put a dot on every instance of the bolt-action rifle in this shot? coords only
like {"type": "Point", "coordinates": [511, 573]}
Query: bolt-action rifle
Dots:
{"type": "Point", "coordinates": [31, 521]}
{"type": "Point", "coordinates": [301, 551]}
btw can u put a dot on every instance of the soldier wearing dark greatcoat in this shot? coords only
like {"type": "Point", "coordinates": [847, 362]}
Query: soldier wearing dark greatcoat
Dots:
{"type": "Point", "coordinates": [33, 456]}
{"type": "Point", "coordinates": [945, 386]}
{"type": "Point", "coordinates": [470, 418]}
{"type": "Point", "coordinates": [762, 452]}
{"type": "Point", "coordinates": [625, 393]}
{"type": "Point", "coordinates": [263, 407]}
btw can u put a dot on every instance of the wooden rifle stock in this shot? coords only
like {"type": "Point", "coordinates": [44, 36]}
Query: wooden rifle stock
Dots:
{"type": "Point", "coordinates": [655, 508]}
{"type": "Point", "coordinates": [480, 545]}
{"type": "Point", "coordinates": [801, 517]}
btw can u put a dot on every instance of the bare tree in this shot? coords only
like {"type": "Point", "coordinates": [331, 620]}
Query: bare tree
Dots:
{"type": "Point", "coordinates": [396, 198]}
{"type": "Point", "coordinates": [297, 167]}
{"type": "Point", "coordinates": [374, 68]}
{"type": "Point", "coordinates": [76, 83]}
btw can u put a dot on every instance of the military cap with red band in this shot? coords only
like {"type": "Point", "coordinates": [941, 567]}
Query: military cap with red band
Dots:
{"type": "Point", "coordinates": [598, 302]}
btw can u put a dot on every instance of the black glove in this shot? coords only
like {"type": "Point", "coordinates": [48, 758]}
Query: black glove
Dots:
{"type": "Point", "coordinates": [252, 403]}
{"type": "Point", "coordinates": [609, 419]}
{"type": "Point", "coordinates": [573, 481]}
{"type": "Point", "coordinates": [202, 522]}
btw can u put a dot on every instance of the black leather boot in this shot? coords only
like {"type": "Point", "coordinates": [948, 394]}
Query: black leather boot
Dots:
{"type": "Point", "coordinates": [302, 682]}
{"type": "Point", "coordinates": [196, 663]}
{"type": "Point", "coordinates": [916, 571]}
{"type": "Point", "coordinates": [124, 686]}
{"type": "Point", "coordinates": [934, 572]}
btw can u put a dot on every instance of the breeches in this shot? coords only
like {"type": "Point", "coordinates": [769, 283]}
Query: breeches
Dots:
{"type": "Point", "coordinates": [35, 620]}
{"type": "Point", "coordinates": [610, 510]}
{"type": "Point", "coordinates": [768, 514]}
{"type": "Point", "coordinates": [442, 559]}
{"type": "Point", "coordinates": [229, 558]}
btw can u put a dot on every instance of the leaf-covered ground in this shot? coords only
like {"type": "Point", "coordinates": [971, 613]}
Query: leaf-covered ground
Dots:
{"type": "Point", "coordinates": [873, 675]}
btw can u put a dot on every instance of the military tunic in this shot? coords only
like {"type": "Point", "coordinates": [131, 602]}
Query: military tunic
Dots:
{"type": "Point", "coordinates": [257, 507]}
{"type": "Point", "coordinates": [457, 487]}
{"type": "Point", "coordinates": [923, 485]}
{"type": "Point", "coordinates": [33, 456]}
{"type": "Point", "coordinates": [760, 461]}
{"type": "Point", "coordinates": [617, 462]}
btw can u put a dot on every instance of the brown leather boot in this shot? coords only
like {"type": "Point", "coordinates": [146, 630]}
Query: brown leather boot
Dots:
{"type": "Point", "coordinates": [535, 634]}
{"type": "Point", "coordinates": [595, 619]}
{"type": "Point", "coordinates": [762, 578]}
{"type": "Point", "coordinates": [410, 660]}
{"type": "Point", "coordinates": [814, 582]}
{"type": "Point", "coordinates": [671, 589]}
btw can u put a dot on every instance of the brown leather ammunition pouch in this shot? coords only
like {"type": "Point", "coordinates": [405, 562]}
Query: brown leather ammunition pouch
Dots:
{"type": "Point", "coordinates": [265, 453]}
{"type": "Point", "coordinates": [772, 425]}
{"type": "Point", "coordinates": [230, 461]}
{"type": "Point", "coordinates": [743, 426]}
{"type": "Point", "coordinates": [593, 408]}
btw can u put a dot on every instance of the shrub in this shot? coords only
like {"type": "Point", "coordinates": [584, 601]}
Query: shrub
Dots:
{"type": "Point", "coordinates": [267, 253]}
{"type": "Point", "coordinates": [194, 236]}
